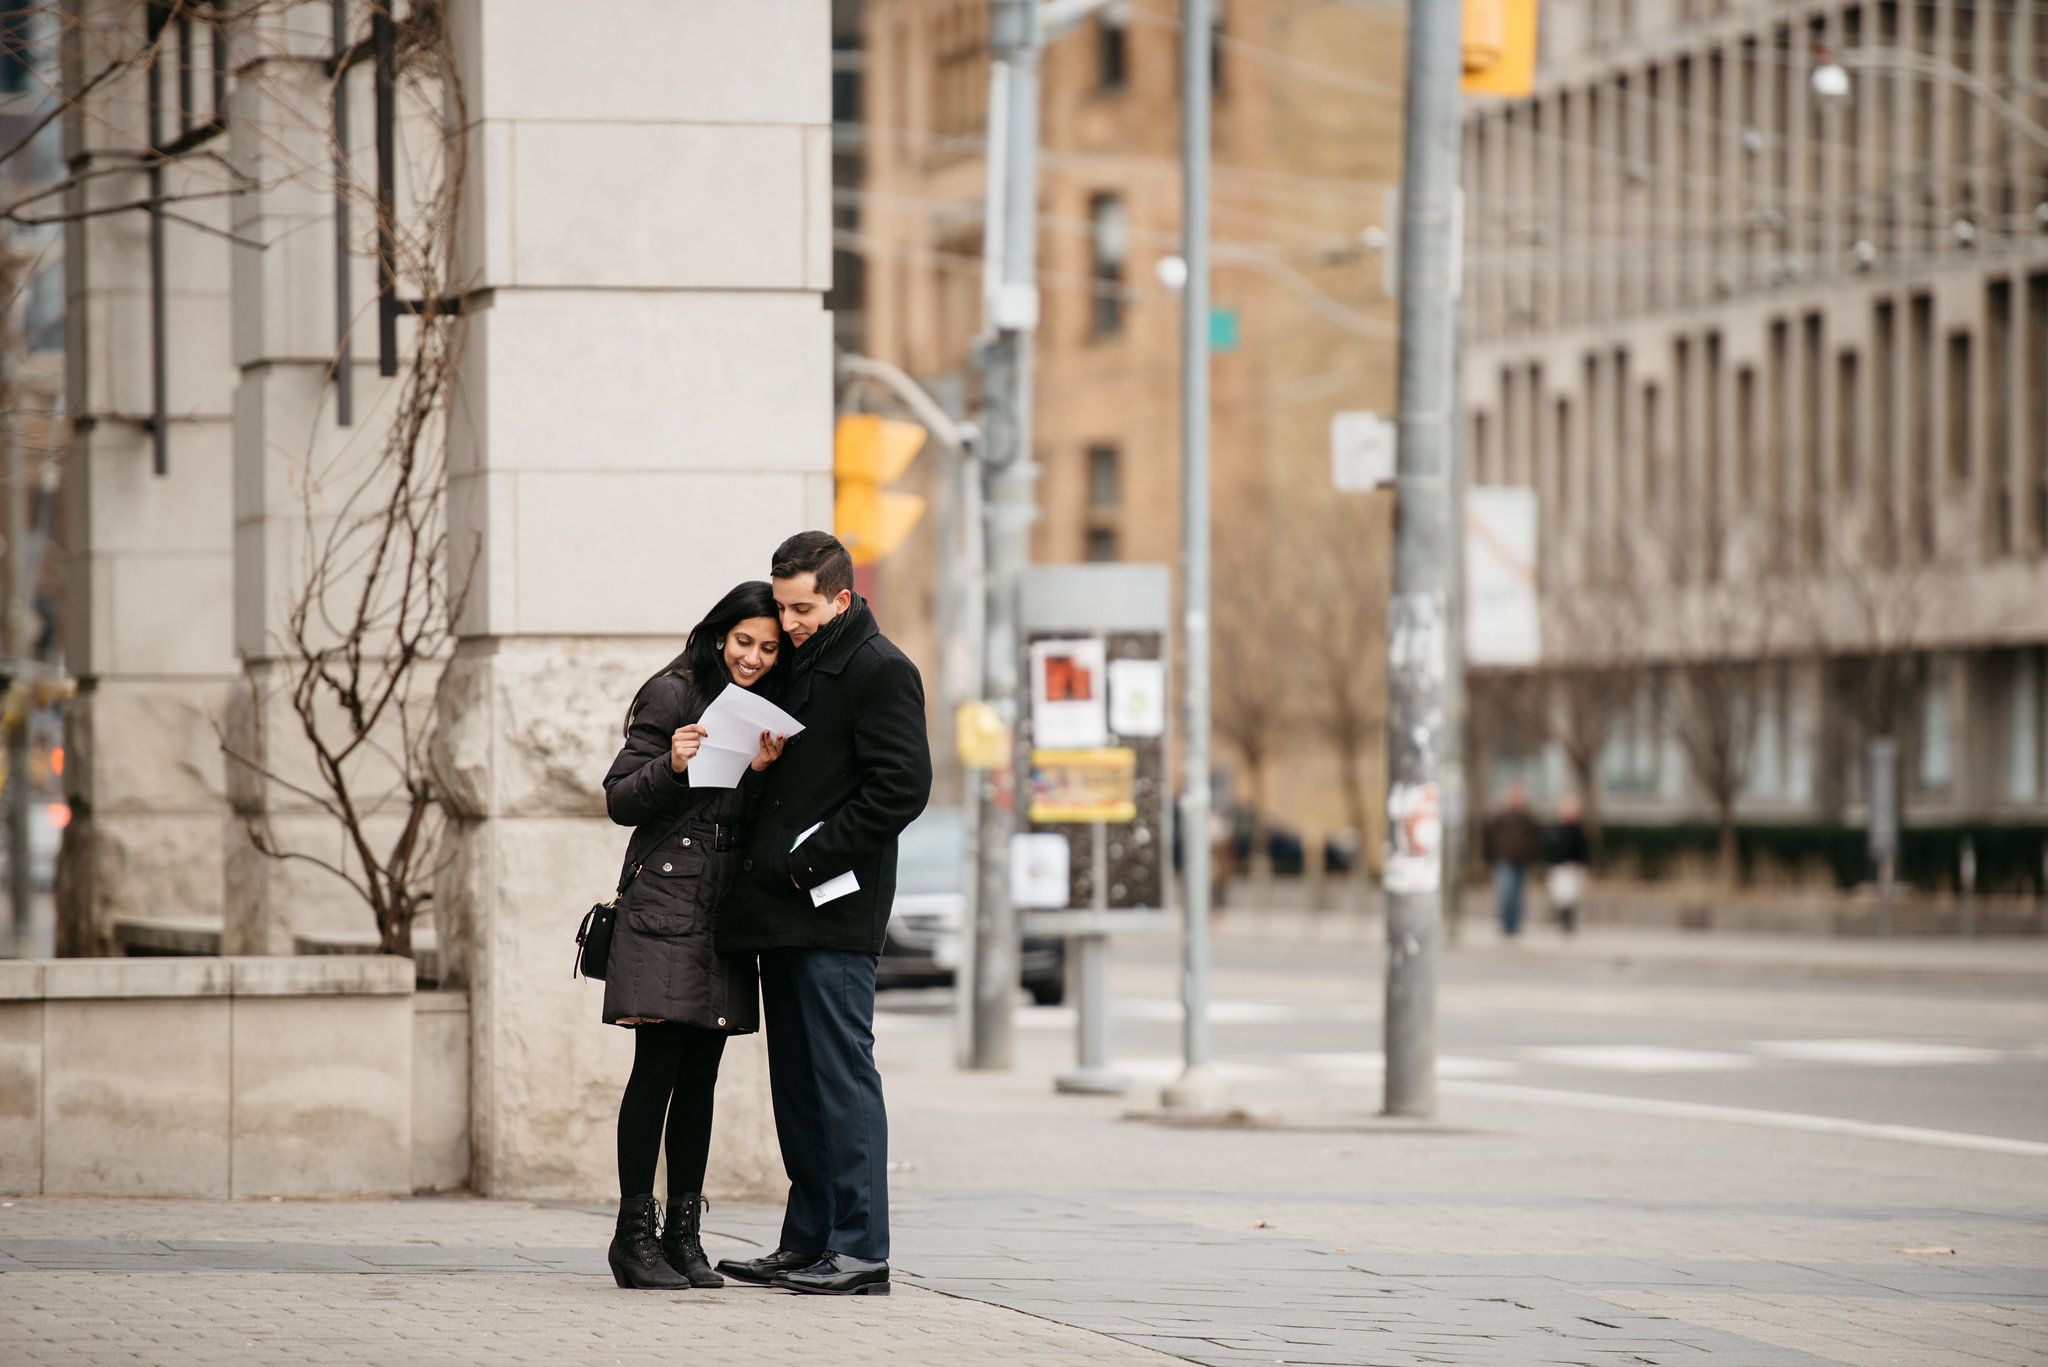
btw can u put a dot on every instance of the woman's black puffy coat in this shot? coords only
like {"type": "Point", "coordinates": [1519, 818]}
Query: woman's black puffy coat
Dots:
{"type": "Point", "coordinates": [663, 964]}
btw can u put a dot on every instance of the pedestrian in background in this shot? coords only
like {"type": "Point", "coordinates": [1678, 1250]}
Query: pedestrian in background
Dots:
{"type": "Point", "coordinates": [1513, 842]}
{"type": "Point", "coordinates": [664, 980]}
{"type": "Point", "coordinates": [1570, 857]}
{"type": "Point", "coordinates": [829, 817]}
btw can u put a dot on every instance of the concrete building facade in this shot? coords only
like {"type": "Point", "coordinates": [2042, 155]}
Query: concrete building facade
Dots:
{"type": "Point", "coordinates": [639, 410]}
{"type": "Point", "coordinates": [1757, 301]}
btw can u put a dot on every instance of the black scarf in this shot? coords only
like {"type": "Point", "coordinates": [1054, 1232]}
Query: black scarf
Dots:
{"type": "Point", "coordinates": [825, 637]}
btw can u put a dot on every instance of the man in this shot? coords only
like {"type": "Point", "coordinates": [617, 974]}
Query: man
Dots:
{"type": "Point", "coordinates": [860, 772]}
{"type": "Point", "coordinates": [1513, 840]}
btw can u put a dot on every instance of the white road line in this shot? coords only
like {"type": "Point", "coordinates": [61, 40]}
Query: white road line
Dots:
{"type": "Point", "coordinates": [1743, 1115]}
{"type": "Point", "coordinates": [1638, 1058]}
{"type": "Point", "coordinates": [1873, 1052]}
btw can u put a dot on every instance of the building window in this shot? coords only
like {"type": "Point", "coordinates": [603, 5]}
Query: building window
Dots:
{"type": "Point", "coordinates": [1101, 544]}
{"type": "Point", "coordinates": [1937, 739]}
{"type": "Point", "coordinates": [1112, 51]}
{"type": "Point", "coordinates": [17, 46]}
{"type": "Point", "coordinates": [1848, 431]}
{"type": "Point", "coordinates": [1105, 490]}
{"type": "Point", "coordinates": [1958, 406]}
{"type": "Point", "coordinates": [2024, 698]}
{"type": "Point", "coordinates": [1109, 241]}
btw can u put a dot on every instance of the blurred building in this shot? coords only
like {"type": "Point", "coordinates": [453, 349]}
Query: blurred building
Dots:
{"type": "Point", "coordinates": [1307, 110]}
{"type": "Point", "coordinates": [1757, 301]}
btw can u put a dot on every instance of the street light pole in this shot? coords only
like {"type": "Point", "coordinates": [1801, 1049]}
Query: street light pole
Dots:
{"type": "Point", "coordinates": [1420, 712]}
{"type": "Point", "coordinates": [1010, 307]}
{"type": "Point", "coordinates": [1197, 1088]}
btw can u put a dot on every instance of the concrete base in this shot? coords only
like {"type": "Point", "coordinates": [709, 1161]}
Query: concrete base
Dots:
{"type": "Point", "coordinates": [213, 1078]}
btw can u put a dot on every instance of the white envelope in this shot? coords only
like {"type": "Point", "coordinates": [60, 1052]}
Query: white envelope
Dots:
{"type": "Point", "coordinates": [832, 889]}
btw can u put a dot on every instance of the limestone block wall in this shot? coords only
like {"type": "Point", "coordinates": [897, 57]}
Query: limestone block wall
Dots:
{"type": "Point", "coordinates": [147, 624]}
{"type": "Point", "coordinates": [222, 1078]}
{"type": "Point", "coordinates": [645, 412]}
{"type": "Point", "coordinates": [300, 472]}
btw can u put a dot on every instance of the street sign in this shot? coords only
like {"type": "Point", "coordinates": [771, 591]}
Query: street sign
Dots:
{"type": "Point", "coordinates": [1500, 576]}
{"type": "Point", "coordinates": [1223, 330]}
{"type": "Point", "coordinates": [1362, 451]}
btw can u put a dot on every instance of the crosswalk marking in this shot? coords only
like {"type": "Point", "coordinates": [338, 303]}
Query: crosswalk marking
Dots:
{"type": "Point", "coordinates": [1877, 1052]}
{"type": "Point", "coordinates": [1639, 1058]}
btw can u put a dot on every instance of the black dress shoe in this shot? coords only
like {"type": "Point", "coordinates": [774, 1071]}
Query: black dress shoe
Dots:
{"type": "Point", "coordinates": [839, 1274]}
{"type": "Point", "coordinates": [763, 1271]}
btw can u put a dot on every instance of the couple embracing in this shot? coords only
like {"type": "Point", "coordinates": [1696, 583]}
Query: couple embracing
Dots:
{"type": "Point", "coordinates": [716, 898]}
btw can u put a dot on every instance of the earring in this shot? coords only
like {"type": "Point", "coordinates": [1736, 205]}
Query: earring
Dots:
{"type": "Point", "coordinates": [721, 643]}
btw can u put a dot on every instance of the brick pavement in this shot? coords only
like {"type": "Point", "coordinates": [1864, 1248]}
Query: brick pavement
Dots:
{"type": "Point", "coordinates": [1043, 1229]}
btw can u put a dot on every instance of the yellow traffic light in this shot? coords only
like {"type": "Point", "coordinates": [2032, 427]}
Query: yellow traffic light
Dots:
{"type": "Point", "coordinates": [867, 453]}
{"type": "Point", "coordinates": [1499, 45]}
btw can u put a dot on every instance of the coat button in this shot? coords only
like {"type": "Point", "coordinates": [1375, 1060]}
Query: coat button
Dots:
{"type": "Point", "coordinates": [721, 1020]}
{"type": "Point", "coordinates": [747, 865]}
{"type": "Point", "coordinates": [668, 868]}
{"type": "Point", "coordinates": [686, 842]}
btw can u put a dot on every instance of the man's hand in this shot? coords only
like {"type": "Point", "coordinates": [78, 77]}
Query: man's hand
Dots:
{"type": "Point", "coordinates": [683, 746]}
{"type": "Point", "coordinates": [770, 751]}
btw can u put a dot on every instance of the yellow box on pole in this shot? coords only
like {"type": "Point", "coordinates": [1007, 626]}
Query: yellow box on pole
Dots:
{"type": "Point", "coordinates": [1498, 41]}
{"type": "Point", "coordinates": [868, 452]}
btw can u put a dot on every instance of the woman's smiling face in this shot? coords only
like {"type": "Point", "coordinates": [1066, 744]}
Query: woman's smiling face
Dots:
{"type": "Point", "coordinates": [750, 649]}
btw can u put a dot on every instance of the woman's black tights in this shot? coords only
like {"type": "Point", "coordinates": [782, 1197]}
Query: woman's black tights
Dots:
{"type": "Point", "coordinates": [675, 1068]}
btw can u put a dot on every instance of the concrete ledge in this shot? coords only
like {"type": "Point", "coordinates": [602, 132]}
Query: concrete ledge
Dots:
{"type": "Point", "coordinates": [72, 979]}
{"type": "Point", "coordinates": [230, 1077]}
{"type": "Point", "coordinates": [21, 980]}
{"type": "Point", "coordinates": [172, 976]}
{"type": "Point", "coordinates": [354, 975]}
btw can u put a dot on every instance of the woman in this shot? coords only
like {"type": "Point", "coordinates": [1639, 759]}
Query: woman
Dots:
{"type": "Point", "coordinates": [664, 980]}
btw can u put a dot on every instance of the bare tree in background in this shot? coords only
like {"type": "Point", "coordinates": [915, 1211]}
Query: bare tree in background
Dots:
{"type": "Point", "coordinates": [1335, 571]}
{"type": "Point", "coordinates": [1249, 689]}
{"type": "Point", "coordinates": [1724, 636]}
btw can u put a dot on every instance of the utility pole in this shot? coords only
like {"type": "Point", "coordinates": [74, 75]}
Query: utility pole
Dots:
{"type": "Point", "coordinates": [1010, 308]}
{"type": "Point", "coordinates": [1197, 1088]}
{"type": "Point", "coordinates": [1420, 711]}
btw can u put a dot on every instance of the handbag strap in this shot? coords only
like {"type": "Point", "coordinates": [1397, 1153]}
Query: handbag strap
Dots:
{"type": "Point", "coordinates": [626, 880]}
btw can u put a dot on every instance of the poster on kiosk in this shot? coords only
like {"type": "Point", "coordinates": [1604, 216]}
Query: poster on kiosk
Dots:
{"type": "Point", "coordinates": [1096, 655]}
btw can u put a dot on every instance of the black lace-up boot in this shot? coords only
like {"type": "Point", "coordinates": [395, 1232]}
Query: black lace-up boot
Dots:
{"type": "Point", "coordinates": [635, 1254]}
{"type": "Point", "coordinates": [682, 1241]}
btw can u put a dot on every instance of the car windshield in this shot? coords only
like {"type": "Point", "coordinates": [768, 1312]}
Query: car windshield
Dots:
{"type": "Point", "coordinates": [931, 854]}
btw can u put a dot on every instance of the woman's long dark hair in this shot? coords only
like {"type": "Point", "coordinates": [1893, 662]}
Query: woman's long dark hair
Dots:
{"type": "Point", "coordinates": [700, 661]}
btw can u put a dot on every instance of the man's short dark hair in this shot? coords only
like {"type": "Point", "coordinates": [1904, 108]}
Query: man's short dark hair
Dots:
{"type": "Point", "coordinates": [818, 554]}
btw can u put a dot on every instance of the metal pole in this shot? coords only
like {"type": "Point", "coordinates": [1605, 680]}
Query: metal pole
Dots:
{"type": "Point", "coordinates": [344, 302]}
{"type": "Point", "coordinates": [21, 892]}
{"type": "Point", "coordinates": [1197, 1089]}
{"type": "Point", "coordinates": [1010, 255]}
{"type": "Point", "coordinates": [964, 608]}
{"type": "Point", "coordinates": [1419, 707]}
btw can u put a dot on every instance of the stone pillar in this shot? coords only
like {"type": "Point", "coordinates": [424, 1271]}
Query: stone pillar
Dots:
{"type": "Point", "coordinates": [147, 627]}
{"type": "Point", "coordinates": [296, 466]}
{"type": "Point", "coordinates": [645, 413]}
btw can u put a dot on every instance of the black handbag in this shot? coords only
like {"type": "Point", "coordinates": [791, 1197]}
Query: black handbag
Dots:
{"type": "Point", "coordinates": [594, 936]}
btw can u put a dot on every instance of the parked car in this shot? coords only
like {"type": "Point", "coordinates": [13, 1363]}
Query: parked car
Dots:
{"type": "Point", "coordinates": [924, 926]}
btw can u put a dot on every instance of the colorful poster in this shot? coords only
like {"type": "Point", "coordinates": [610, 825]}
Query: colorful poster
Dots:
{"type": "Point", "coordinates": [1084, 785]}
{"type": "Point", "coordinates": [1069, 696]}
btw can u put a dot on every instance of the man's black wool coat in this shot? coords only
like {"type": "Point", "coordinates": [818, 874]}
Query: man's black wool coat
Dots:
{"type": "Point", "coordinates": [863, 767]}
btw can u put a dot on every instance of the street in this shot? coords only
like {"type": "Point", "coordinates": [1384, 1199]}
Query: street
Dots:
{"type": "Point", "coordinates": [1530, 1223]}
